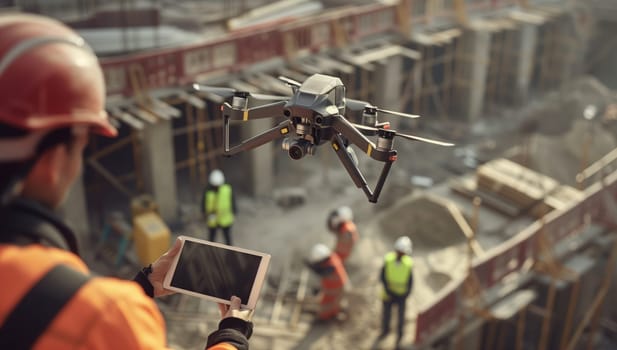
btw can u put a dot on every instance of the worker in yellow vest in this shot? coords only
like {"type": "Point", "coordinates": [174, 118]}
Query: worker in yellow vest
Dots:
{"type": "Point", "coordinates": [397, 279]}
{"type": "Point", "coordinates": [219, 206]}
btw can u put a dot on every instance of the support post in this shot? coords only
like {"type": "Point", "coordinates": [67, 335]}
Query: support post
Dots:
{"type": "Point", "coordinates": [473, 67]}
{"type": "Point", "coordinates": [158, 167]}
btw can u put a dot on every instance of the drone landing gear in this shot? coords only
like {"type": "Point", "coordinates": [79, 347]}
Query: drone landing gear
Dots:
{"type": "Point", "coordinates": [353, 171]}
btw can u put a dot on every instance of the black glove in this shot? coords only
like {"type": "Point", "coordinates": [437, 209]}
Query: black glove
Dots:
{"type": "Point", "coordinates": [234, 331]}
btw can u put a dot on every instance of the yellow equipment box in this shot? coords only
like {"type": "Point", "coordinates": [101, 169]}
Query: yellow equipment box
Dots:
{"type": "Point", "coordinates": [151, 237]}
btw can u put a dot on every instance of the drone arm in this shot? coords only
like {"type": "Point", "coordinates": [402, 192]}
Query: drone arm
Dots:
{"type": "Point", "coordinates": [264, 111]}
{"type": "Point", "coordinates": [341, 151]}
{"type": "Point", "coordinates": [353, 171]}
{"type": "Point", "coordinates": [341, 125]}
{"type": "Point", "coordinates": [281, 130]}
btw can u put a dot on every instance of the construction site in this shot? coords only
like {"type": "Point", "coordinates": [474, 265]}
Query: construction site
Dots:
{"type": "Point", "coordinates": [513, 227]}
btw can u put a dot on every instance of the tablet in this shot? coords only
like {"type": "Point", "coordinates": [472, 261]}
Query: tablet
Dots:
{"type": "Point", "coordinates": [217, 271]}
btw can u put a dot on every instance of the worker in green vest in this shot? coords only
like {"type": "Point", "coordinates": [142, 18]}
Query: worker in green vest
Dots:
{"type": "Point", "coordinates": [219, 206]}
{"type": "Point", "coordinates": [397, 280]}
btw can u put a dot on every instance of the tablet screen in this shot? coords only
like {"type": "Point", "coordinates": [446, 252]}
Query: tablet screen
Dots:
{"type": "Point", "coordinates": [215, 271]}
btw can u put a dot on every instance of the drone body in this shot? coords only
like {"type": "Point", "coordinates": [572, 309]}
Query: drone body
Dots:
{"type": "Point", "coordinates": [316, 114]}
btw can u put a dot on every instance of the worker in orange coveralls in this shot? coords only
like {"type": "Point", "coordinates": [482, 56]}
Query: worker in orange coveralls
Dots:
{"type": "Point", "coordinates": [333, 280]}
{"type": "Point", "coordinates": [340, 222]}
{"type": "Point", "coordinates": [51, 97]}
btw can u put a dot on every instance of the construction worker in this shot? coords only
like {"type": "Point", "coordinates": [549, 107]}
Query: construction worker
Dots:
{"type": "Point", "coordinates": [333, 280]}
{"type": "Point", "coordinates": [397, 280]}
{"type": "Point", "coordinates": [51, 96]}
{"type": "Point", "coordinates": [219, 205]}
{"type": "Point", "coordinates": [340, 222]}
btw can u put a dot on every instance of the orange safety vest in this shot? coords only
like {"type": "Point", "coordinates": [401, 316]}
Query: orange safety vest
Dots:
{"type": "Point", "coordinates": [332, 287]}
{"type": "Point", "coordinates": [346, 238]}
{"type": "Point", "coordinates": [105, 313]}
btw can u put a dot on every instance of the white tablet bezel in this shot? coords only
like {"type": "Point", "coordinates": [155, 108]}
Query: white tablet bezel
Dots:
{"type": "Point", "coordinates": [257, 283]}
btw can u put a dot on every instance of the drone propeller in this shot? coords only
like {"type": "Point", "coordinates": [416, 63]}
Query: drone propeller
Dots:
{"type": "Point", "coordinates": [226, 93]}
{"type": "Point", "coordinates": [357, 105]}
{"type": "Point", "coordinates": [398, 114]}
{"type": "Point", "coordinates": [405, 136]}
{"type": "Point", "coordinates": [265, 97]}
{"type": "Point", "coordinates": [290, 82]}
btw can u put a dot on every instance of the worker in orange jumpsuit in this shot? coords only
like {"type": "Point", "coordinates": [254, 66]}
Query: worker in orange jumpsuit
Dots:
{"type": "Point", "coordinates": [333, 280]}
{"type": "Point", "coordinates": [51, 96]}
{"type": "Point", "coordinates": [340, 222]}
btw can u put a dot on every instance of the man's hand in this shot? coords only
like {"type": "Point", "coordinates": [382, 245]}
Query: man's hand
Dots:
{"type": "Point", "coordinates": [160, 268]}
{"type": "Point", "coordinates": [233, 310]}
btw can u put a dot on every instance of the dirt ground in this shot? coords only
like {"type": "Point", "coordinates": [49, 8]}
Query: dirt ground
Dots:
{"type": "Point", "coordinates": [556, 148]}
{"type": "Point", "coordinates": [552, 130]}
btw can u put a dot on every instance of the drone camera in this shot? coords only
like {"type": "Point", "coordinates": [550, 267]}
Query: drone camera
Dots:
{"type": "Point", "coordinates": [298, 148]}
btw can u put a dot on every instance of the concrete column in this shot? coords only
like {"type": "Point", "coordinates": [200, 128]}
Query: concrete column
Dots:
{"type": "Point", "coordinates": [526, 41]}
{"type": "Point", "coordinates": [388, 82]}
{"type": "Point", "coordinates": [158, 167]}
{"type": "Point", "coordinates": [259, 161]}
{"type": "Point", "coordinates": [473, 66]}
{"type": "Point", "coordinates": [75, 211]}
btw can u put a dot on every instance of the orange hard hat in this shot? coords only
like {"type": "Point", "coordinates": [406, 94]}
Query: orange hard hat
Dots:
{"type": "Point", "coordinates": [49, 77]}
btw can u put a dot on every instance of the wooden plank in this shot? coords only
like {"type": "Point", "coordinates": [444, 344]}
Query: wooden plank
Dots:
{"type": "Point", "coordinates": [518, 184]}
{"type": "Point", "coordinates": [192, 99]}
{"type": "Point", "coordinates": [143, 114]}
{"type": "Point", "coordinates": [280, 293]}
{"type": "Point", "coordinates": [300, 294]}
{"type": "Point", "coordinates": [467, 187]}
{"type": "Point", "coordinates": [127, 118]}
{"type": "Point", "coordinates": [166, 108]}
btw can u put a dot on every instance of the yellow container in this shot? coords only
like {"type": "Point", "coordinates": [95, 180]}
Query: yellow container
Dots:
{"type": "Point", "coordinates": [151, 237]}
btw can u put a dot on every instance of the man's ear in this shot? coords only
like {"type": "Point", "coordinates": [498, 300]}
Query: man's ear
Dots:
{"type": "Point", "coordinates": [51, 164]}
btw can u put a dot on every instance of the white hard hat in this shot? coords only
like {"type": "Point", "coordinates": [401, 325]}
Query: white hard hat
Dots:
{"type": "Point", "coordinates": [339, 216]}
{"type": "Point", "coordinates": [319, 253]}
{"type": "Point", "coordinates": [403, 244]}
{"type": "Point", "coordinates": [216, 178]}
{"type": "Point", "coordinates": [345, 213]}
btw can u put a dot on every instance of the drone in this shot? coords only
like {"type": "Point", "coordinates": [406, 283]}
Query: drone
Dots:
{"type": "Point", "coordinates": [316, 113]}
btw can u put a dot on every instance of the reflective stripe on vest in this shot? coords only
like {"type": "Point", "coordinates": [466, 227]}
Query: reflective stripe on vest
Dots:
{"type": "Point", "coordinates": [397, 272]}
{"type": "Point", "coordinates": [37, 309]}
{"type": "Point", "coordinates": [219, 203]}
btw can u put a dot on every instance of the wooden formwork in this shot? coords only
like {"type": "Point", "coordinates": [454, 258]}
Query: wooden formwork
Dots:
{"type": "Point", "coordinates": [503, 63]}
{"type": "Point", "coordinates": [438, 50]}
{"type": "Point", "coordinates": [556, 49]}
